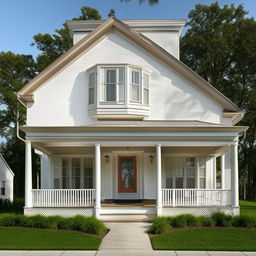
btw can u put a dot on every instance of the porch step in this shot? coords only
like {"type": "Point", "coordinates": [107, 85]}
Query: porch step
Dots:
{"type": "Point", "coordinates": [127, 214]}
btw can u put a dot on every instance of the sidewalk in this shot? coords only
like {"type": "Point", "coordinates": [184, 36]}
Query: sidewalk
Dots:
{"type": "Point", "coordinates": [123, 253]}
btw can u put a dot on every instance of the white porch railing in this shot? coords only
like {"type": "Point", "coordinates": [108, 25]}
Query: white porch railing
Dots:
{"type": "Point", "coordinates": [63, 197]}
{"type": "Point", "coordinates": [196, 197]}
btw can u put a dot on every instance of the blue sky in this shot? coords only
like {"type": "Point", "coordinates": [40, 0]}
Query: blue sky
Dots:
{"type": "Point", "coordinates": [21, 19]}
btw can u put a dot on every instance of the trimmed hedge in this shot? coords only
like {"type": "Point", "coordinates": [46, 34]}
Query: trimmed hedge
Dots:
{"type": "Point", "coordinates": [79, 223]}
{"type": "Point", "coordinates": [163, 224]}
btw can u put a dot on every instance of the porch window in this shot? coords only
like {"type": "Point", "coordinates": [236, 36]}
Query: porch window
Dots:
{"type": "Point", "coordinates": [190, 172]}
{"type": "Point", "coordinates": [65, 173]}
{"type": "Point", "coordinates": [76, 169]}
{"type": "Point", "coordinates": [202, 173]}
{"type": "Point", "coordinates": [3, 183]}
{"type": "Point", "coordinates": [88, 173]}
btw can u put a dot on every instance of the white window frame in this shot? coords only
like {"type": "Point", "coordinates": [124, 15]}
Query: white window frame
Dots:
{"type": "Point", "coordinates": [133, 84]}
{"type": "Point", "coordinates": [92, 87]}
{"type": "Point", "coordinates": [58, 165]}
{"type": "Point", "coordinates": [3, 188]}
{"type": "Point", "coordinates": [145, 87]}
{"type": "Point", "coordinates": [103, 91]}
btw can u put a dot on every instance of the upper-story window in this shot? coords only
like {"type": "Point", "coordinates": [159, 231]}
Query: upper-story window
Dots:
{"type": "Point", "coordinates": [119, 90]}
{"type": "Point", "coordinates": [112, 86]}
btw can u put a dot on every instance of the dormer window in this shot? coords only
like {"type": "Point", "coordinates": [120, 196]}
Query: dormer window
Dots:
{"type": "Point", "coordinates": [118, 91]}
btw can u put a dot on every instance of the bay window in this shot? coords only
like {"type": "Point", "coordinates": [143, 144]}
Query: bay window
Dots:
{"type": "Point", "coordinates": [119, 91]}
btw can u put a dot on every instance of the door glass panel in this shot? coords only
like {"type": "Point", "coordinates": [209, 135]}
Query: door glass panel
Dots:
{"type": "Point", "coordinates": [127, 174]}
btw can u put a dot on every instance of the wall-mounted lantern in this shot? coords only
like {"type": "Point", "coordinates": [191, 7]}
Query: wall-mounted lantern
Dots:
{"type": "Point", "coordinates": [107, 158]}
{"type": "Point", "coordinates": [151, 158]}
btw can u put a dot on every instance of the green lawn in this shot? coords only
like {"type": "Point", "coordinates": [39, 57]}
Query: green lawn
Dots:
{"type": "Point", "coordinates": [46, 239]}
{"type": "Point", "coordinates": [217, 239]}
{"type": "Point", "coordinates": [248, 208]}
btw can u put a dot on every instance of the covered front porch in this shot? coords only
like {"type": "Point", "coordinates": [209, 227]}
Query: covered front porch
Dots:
{"type": "Point", "coordinates": [176, 177]}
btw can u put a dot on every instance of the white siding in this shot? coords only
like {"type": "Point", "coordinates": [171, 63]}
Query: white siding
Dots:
{"type": "Point", "coordinates": [6, 176]}
{"type": "Point", "coordinates": [63, 101]}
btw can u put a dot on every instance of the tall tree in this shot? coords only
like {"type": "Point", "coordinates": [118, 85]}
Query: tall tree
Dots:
{"type": "Point", "coordinates": [52, 46]}
{"type": "Point", "coordinates": [15, 71]}
{"type": "Point", "coordinates": [220, 45]}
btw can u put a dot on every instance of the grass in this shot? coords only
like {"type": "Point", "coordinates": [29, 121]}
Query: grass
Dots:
{"type": "Point", "coordinates": [217, 239]}
{"type": "Point", "coordinates": [248, 208]}
{"type": "Point", "coordinates": [17, 238]}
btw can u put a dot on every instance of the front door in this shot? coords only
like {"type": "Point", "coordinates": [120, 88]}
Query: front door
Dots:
{"type": "Point", "coordinates": [127, 174]}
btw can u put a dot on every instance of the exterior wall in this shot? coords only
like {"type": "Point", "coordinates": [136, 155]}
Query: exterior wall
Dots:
{"type": "Point", "coordinates": [7, 176]}
{"type": "Point", "coordinates": [167, 40]}
{"type": "Point", "coordinates": [63, 101]}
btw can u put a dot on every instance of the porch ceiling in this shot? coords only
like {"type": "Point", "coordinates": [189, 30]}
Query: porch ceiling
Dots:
{"type": "Point", "coordinates": [175, 150]}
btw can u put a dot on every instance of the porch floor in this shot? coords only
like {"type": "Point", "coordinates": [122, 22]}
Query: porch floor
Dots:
{"type": "Point", "coordinates": [128, 203]}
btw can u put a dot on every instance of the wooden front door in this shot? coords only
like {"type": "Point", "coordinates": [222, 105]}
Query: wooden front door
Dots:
{"type": "Point", "coordinates": [127, 174]}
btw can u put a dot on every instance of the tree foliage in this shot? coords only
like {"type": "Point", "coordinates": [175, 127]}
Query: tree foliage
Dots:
{"type": "Point", "coordinates": [220, 45]}
{"type": "Point", "coordinates": [151, 2]}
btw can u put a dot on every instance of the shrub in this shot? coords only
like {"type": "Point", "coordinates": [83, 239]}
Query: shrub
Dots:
{"type": "Point", "coordinates": [185, 220]}
{"type": "Point", "coordinates": [10, 219]}
{"type": "Point", "coordinates": [37, 221]}
{"type": "Point", "coordinates": [93, 226]}
{"type": "Point", "coordinates": [85, 224]}
{"type": "Point", "coordinates": [223, 220]}
{"type": "Point", "coordinates": [205, 221]}
{"type": "Point", "coordinates": [65, 223]}
{"type": "Point", "coordinates": [159, 225]}
{"type": "Point", "coordinates": [244, 221]}
{"type": "Point", "coordinates": [54, 221]}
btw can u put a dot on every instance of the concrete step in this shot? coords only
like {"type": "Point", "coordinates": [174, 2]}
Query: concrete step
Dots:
{"type": "Point", "coordinates": [126, 217]}
{"type": "Point", "coordinates": [128, 211]}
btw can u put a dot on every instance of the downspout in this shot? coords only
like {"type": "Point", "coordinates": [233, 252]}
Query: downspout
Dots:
{"type": "Point", "coordinates": [17, 120]}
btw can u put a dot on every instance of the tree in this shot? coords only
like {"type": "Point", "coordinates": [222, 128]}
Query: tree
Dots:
{"type": "Point", "coordinates": [15, 71]}
{"type": "Point", "coordinates": [220, 45]}
{"type": "Point", "coordinates": [52, 46]}
{"type": "Point", "coordinates": [112, 13]}
{"type": "Point", "coordinates": [151, 2]}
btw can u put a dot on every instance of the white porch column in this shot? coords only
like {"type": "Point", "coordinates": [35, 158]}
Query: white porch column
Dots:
{"type": "Point", "coordinates": [223, 171]}
{"type": "Point", "coordinates": [159, 180]}
{"type": "Point", "coordinates": [98, 180]}
{"type": "Point", "coordinates": [28, 175]}
{"type": "Point", "coordinates": [234, 168]}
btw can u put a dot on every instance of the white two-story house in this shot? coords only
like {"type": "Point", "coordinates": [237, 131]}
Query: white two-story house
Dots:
{"type": "Point", "coordinates": [126, 130]}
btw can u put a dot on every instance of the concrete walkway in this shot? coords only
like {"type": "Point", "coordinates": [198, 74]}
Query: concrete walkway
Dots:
{"type": "Point", "coordinates": [126, 236]}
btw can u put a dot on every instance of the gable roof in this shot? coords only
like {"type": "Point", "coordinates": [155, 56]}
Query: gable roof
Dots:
{"type": "Point", "coordinates": [8, 167]}
{"type": "Point", "coordinates": [26, 94]}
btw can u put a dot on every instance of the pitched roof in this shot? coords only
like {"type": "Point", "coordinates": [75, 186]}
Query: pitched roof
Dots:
{"type": "Point", "coordinates": [26, 94]}
{"type": "Point", "coordinates": [8, 167]}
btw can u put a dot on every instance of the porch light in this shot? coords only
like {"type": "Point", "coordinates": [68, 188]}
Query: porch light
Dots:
{"type": "Point", "coordinates": [151, 158]}
{"type": "Point", "coordinates": [107, 158]}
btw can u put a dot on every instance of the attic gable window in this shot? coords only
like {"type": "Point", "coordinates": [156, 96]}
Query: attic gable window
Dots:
{"type": "Point", "coordinates": [119, 90]}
